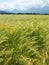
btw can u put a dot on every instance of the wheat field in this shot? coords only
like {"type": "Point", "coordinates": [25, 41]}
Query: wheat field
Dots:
{"type": "Point", "coordinates": [24, 39]}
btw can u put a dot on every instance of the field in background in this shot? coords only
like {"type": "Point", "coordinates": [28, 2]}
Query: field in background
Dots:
{"type": "Point", "coordinates": [24, 39]}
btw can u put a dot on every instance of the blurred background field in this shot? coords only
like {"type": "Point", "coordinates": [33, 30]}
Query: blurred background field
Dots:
{"type": "Point", "coordinates": [24, 39]}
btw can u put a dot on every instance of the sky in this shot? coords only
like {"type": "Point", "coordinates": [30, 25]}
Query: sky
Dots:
{"type": "Point", "coordinates": [22, 4]}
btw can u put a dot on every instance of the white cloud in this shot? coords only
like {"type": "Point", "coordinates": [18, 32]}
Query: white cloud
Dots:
{"type": "Point", "coordinates": [6, 5]}
{"type": "Point", "coordinates": [23, 4]}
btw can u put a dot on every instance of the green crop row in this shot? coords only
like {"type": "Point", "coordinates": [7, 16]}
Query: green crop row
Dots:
{"type": "Point", "coordinates": [24, 40]}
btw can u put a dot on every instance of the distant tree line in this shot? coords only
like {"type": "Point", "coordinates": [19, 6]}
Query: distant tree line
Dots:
{"type": "Point", "coordinates": [27, 13]}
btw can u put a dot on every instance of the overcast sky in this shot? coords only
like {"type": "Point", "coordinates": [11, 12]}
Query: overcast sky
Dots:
{"type": "Point", "coordinates": [22, 4]}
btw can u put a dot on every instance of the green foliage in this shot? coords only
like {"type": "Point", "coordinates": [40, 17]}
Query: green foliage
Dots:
{"type": "Point", "coordinates": [24, 40]}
